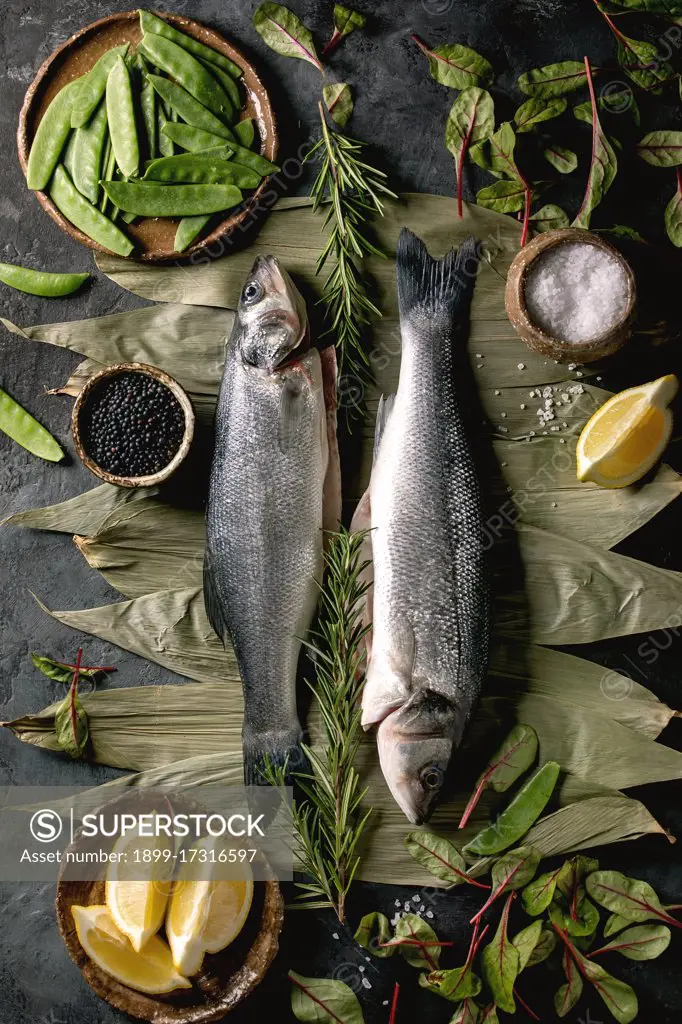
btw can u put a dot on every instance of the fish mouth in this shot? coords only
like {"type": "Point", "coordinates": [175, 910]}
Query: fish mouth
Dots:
{"type": "Point", "coordinates": [292, 317]}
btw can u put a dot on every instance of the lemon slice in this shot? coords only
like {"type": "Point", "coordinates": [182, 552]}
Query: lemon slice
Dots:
{"type": "Point", "coordinates": [138, 886]}
{"type": "Point", "coordinates": [206, 915]}
{"type": "Point", "coordinates": [627, 435]}
{"type": "Point", "coordinates": [150, 971]}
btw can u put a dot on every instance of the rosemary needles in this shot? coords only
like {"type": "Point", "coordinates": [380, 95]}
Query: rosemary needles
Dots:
{"type": "Point", "coordinates": [356, 191]}
{"type": "Point", "coordinates": [328, 821]}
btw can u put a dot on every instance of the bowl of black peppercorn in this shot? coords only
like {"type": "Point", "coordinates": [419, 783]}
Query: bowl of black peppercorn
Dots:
{"type": "Point", "coordinates": [132, 425]}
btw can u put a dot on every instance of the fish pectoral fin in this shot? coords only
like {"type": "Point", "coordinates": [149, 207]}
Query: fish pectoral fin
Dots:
{"type": "Point", "coordinates": [214, 608]}
{"type": "Point", "coordinates": [291, 410]}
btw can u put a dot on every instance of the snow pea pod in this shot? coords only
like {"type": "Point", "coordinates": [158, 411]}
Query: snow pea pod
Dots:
{"type": "Point", "coordinates": [245, 132]}
{"type": "Point", "coordinates": [189, 109]}
{"type": "Point", "coordinates": [164, 142]}
{"type": "Point", "coordinates": [40, 282]}
{"type": "Point", "coordinates": [196, 139]}
{"type": "Point", "coordinates": [88, 152]}
{"type": "Point", "coordinates": [189, 72]}
{"type": "Point", "coordinates": [151, 200]}
{"type": "Point", "coordinates": [188, 229]}
{"type": "Point", "coordinates": [26, 431]}
{"type": "Point", "coordinates": [85, 216]}
{"type": "Point", "coordinates": [150, 23]}
{"type": "Point", "coordinates": [69, 153]}
{"type": "Point", "coordinates": [121, 117]}
{"type": "Point", "coordinates": [200, 169]}
{"type": "Point", "coordinates": [254, 160]}
{"type": "Point", "coordinates": [91, 89]}
{"type": "Point", "coordinates": [227, 82]}
{"type": "Point", "coordinates": [516, 819]}
{"type": "Point", "coordinates": [50, 137]}
{"type": "Point", "coordinates": [148, 108]}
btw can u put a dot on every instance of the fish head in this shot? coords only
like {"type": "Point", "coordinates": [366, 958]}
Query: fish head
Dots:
{"type": "Point", "coordinates": [272, 318]}
{"type": "Point", "coordinates": [415, 744]}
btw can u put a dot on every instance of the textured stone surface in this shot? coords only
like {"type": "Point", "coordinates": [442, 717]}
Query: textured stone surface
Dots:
{"type": "Point", "coordinates": [402, 112]}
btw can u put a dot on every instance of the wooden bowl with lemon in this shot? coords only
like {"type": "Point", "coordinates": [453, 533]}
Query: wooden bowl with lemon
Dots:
{"type": "Point", "coordinates": [181, 952]}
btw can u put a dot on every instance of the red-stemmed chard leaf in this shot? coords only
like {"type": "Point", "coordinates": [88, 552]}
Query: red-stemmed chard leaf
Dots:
{"type": "Point", "coordinates": [500, 963]}
{"type": "Point", "coordinates": [630, 898]}
{"type": "Point", "coordinates": [508, 763]}
{"type": "Point", "coordinates": [285, 33]}
{"type": "Point", "coordinates": [345, 22]}
{"type": "Point", "coordinates": [603, 164]}
{"type": "Point", "coordinates": [455, 65]}
{"type": "Point", "coordinates": [512, 871]}
{"type": "Point", "coordinates": [641, 942]}
{"type": "Point", "coordinates": [324, 1000]}
{"type": "Point", "coordinates": [618, 997]}
{"type": "Point", "coordinates": [440, 857]}
{"type": "Point", "coordinates": [639, 60]}
{"type": "Point", "coordinates": [471, 120]}
{"type": "Point", "coordinates": [673, 213]}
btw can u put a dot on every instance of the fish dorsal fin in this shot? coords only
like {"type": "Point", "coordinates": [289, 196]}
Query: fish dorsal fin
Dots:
{"type": "Point", "coordinates": [383, 414]}
{"type": "Point", "coordinates": [291, 410]}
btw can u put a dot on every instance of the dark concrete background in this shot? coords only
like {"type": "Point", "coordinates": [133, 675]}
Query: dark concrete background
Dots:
{"type": "Point", "coordinates": [402, 112]}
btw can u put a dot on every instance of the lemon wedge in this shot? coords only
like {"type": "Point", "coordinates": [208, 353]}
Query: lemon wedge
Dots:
{"type": "Point", "coordinates": [205, 915]}
{"type": "Point", "coordinates": [150, 971]}
{"type": "Point", "coordinates": [138, 886]}
{"type": "Point", "coordinates": [627, 435]}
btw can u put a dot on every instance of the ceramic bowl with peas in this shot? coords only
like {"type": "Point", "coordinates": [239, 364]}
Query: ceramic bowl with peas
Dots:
{"type": "Point", "coordinates": [148, 136]}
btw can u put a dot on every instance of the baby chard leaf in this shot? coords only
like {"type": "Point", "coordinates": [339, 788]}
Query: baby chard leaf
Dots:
{"type": "Point", "coordinates": [615, 923]}
{"type": "Point", "coordinates": [525, 942]}
{"type": "Point", "coordinates": [517, 752]}
{"type": "Point", "coordinates": [489, 1015]}
{"type": "Point", "coordinates": [467, 1013]}
{"type": "Point", "coordinates": [512, 871]}
{"type": "Point", "coordinates": [603, 164]}
{"type": "Point", "coordinates": [673, 214]}
{"type": "Point", "coordinates": [549, 218]}
{"type": "Point", "coordinates": [553, 79]}
{"type": "Point", "coordinates": [661, 148]}
{"type": "Point", "coordinates": [530, 800]}
{"type": "Point", "coordinates": [544, 947]}
{"type": "Point", "coordinates": [500, 963]}
{"type": "Point", "coordinates": [417, 942]}
{"type": "Point", "coordinates": [339, 102]}
{"type": "Point", "coordinates": [285, 33]}
{"type": "Point", "coordinates": [62, 673]}
{"type": "Point", "coordinates": [454, 984]}
{"type": "Point", "coordinates": [345, 22]}
{"type": "Point", "coordinates": [628, 897]}
{"type": "Point", "coordinates": [618, 997]}
{"type": "Point", "coordinates": [538, 109]}
{"type": "Point", "coordinates": [583, 921]}
{"type": "Point", "coordinates": [568, 995]}
{"type": "Point", "coordinates": [70, 720]}
{"type": "Point", "coordinates": [374, 934]}
{"type": "Point", "coordinates": [324, 1001]}
{"type": "Point", "coordinates": [563, 160]}
{"type": "Point", "coordinates": [471, 120]}
{"type": "Point", "coordinates": [641, 942]}
{"type": "Point", "coordinates": [455, 65]}
{"type": "Point", "coordinates": [502, 196]}
{"type": "Point", "coordinates": [539, 894]}
{"type": "Point", "coordinates": [440, 857]}
{"type": "Point", "coordinates": [640, 60]}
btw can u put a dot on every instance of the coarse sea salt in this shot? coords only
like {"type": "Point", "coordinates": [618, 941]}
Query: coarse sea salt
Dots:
{"type": "Point", "coordinates": [576, 291]}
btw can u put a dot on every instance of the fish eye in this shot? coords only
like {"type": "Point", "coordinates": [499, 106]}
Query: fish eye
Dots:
{"type": "Point", "coordinates": [253, 291]}
{"type": "Point", "coordinates": [431, 777]}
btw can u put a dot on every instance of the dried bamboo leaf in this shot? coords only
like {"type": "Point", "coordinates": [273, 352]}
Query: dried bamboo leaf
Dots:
{"type": "Point", "coordinates": [575, 593]}
{"type": "Point", "coordinates": [79, 378]}
{"type": "Point", "coordinates": [86, 513]}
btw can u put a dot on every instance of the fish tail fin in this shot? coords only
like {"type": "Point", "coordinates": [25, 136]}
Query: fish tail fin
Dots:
{"type": "Point", "coordinates": [436, 286]}
{"type": "Point", "coordinates": [274, 748]}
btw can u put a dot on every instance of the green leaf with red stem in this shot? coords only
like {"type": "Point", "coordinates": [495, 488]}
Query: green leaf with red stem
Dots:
{"type": "Point", "coordinates": [373, 934]}
{"type": "Point", "coordinates": [554, 79]}
{"type": "Point", "coordinates": [538, 109]}
{"type": "Point", "coordinates": [503, 196]}
{"type": "Point", "coordinates": [639, 59]}
{"type": "Point", "coordinates": [394, 1004]}
{"type": "Point", "coordinates": [539, 894]}
{"type": "Point", "coordinates": [500, 963]}
{"type": "Point", "coordinates": [671, 7]}
{"type": "Point", "coordinates": [673, 213]}
{"type": "Point", "coordinates": [467, 1013]}
{"type": "Point", "coordinates": [440, 857]}
{"type": "Point", "coordinates": [545, 946]}
{"type": "Point", "coordinates": [489, 1015]}
{"type": "Point", "coordinates": [285, 33]}
{"type": "Point", "coordinates": [455, 65]}
{"type": "Point", "coordinates": [471, 119]}
{"type": "Point", "coordinates": [618, 997]}
{"type": "Point", "coordinates": [615, 923]}
{"type": "Point", "coordinates": [568, 994]}
{"type": "Point", "coordinates": [71, 720]}
{"type": "Point", "coordinates": [423, 948]}
{"type": "Point", "coordinates": [628, 897]}
{"type": "Point", "coordinates": [508, 763]}
{"type": "Point", "coordinates": [562, 159]}
{"type": "Point", "coordinates": [459, 982]}
{"type": "Point", "coordinates": [324, 1001]}
{"type": "Point", "coordinates": [525, 942]}
{"type": "Point", "coordinates": [641, 942]}
{"type": "Point", "coordinates": [339, 102]}
{"type": "Point", "coordinates": [661, 148]}
{"type": "Point", "coordinates": [345, 22]}
{"type": "Point", "coordinates": [512, 871]}
{"type": "Point", "coordinates": [603, 163]}
{"type": "Point", "coordinates": [582, 922]}
{"type": "Point", "coordinates": [62, 672]}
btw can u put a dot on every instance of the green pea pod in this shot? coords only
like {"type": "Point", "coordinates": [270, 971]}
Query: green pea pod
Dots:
{"type": "Point", "coordinates": [254, 160]}
{"type": "Point", "coordinates": [87, 217]}
{"type": "Point", "coordinates": [227, 82]}
{"type": "Point", "coordinates": [188, 229]}
{"type": "Point", "coordinates": [516, 819]}
{"type": "Point", "coordinates": [88, 154]}
{"type": "Point", "coordinates": [148, 108]}
{"type": "Point", "coordinates": [121, 117]}
{"type": "Point", "coordinates": [201, 169]}
{"type": "Point", "coordinates": [50, 137]}
{"type": "Point", "coordinates": [189, 109]}
{"type": "Point", "coordinates": [189, 72]}
{"type": "Point", "coordinates": [196, 139]}
{"type": "Point", "coordinates": [39, 282]}
{"type": "Point", "coordinates": [171, 200]}
{"type": "Point", "coordinates": [245, 132]}
{"type": "Point", "coordinates": [26, 431]}
{"type": "Point", "coordinates": [69, 157]}
{"type": "Point", "coordinates": [92, 86]}
{"type": "Point", "coordinates": [164, 142]}
{"type": "Point", "coordinates": [150, 23]}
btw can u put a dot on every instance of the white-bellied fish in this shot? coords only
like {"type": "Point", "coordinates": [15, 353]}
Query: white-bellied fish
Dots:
{"type": "Point", "coordinates": [265, 516]}
{"type": "Point", "coordinates": [431, 594]}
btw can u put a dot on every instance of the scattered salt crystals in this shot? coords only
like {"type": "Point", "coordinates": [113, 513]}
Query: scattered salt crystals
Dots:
{"type": "Point", "coordinates": [503, 415]}
{"type": "Point", "coordinates": [599, 380]}
{"type": "Point", "coordinates": [407, 906]}
{"type": "Point", "coordinates": [397, 903]}
{"type": "Point", "coordinates": [385, 1002]}
{"type": "Point", "coordinates": [503, 430]}
{"type": "Point", "coordinates": [576, 291]}
{"type": "Point", "coordinates": [522, 406]}
{"type": "Point", "coordinates": [368, 958]}
{"type": "Point", "coordinates": [362, 968]}
{"type": "Point", "coordinates": [498, 392]}
{"type": "Point", "coordinates": [335, 935]}
{"type": "Point", "coordinates": [417, 898]}
{"type": "Point", "coordinates": [422, 909]}
{"type": "Point", "coordinates": [562, 440]}
{"type": "Point", "coordinates": [521, 366]}
{"type": "Point", "coordinates": [366, 983]}
{"type": "Point", "coordinates": [572, 366]}
{"type": "Point", "coordinates": [531, 433]}
{"type": "Point", "coordinates": [503, 464]}
{"type": "Point", "coordinates": [554, 504]}
{"type": "Point", "coordinates": [479, 355]}
{"type": "Point", "coordinates": [429, 913]}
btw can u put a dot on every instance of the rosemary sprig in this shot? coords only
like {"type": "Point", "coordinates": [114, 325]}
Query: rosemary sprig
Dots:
{"type": "Point", "coordinates": [329, 821]}
{"type": "Point", "coordinates": [356, 191]}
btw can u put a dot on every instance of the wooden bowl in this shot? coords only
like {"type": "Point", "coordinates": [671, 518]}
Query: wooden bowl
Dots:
{"type": "Point", "coordinates": [130, 481]}
{"type": "Point", "coordinates": [153, 237]}
{"type": "Point", "coordinates": [225, 979]}
{"type": "Point", "coordinates": [534, 336]}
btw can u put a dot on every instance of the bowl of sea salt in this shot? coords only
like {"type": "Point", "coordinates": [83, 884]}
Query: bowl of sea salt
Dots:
{"type": "Point", "coordinates": [571, 295]}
